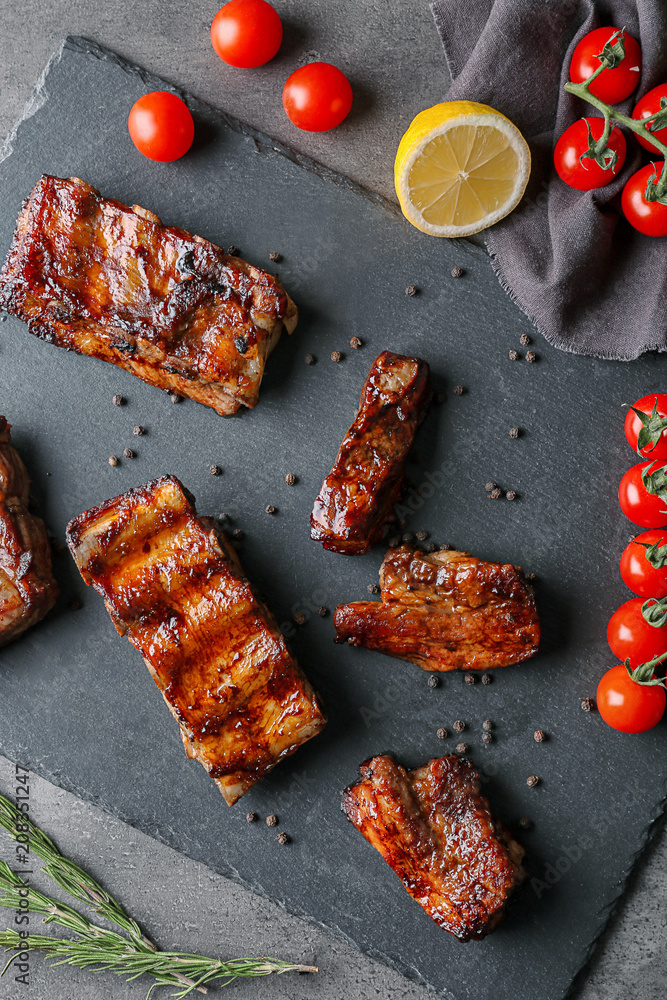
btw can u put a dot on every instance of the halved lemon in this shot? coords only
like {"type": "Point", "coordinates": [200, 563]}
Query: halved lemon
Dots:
{"type": "Point", "coordinates": [460, 167]}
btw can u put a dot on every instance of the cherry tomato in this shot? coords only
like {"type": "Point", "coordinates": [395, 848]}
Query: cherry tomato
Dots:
{"type": "Point", "coordinates": [612, 85]}
{"type": "Point", "coordinates": [654, 438]}
{"type": "Point", "coordinates": [645, 509]}
{"type": "Point", "coordinates": [630, 636]}
{"type": "Point", "coordinates": [161, 126]}
{"type": "Point", "coordinates": [644, 564]}
{"type": "Point", "coordinates": [649, 217]}
{"type": "Point", "coordinates": [628, 706]}
{"type": "Point", "coordinates": [647, 106]}
{"type": "Point", "coordinates": [246, 33]}
{"type": "Point", "coordinates": [317, 97]}
{"type": "Point", "coordinates": [586, 174]}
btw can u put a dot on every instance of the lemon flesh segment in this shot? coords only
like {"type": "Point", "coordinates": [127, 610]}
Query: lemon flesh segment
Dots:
{"type": "Point", "coordinates": [463, 174]}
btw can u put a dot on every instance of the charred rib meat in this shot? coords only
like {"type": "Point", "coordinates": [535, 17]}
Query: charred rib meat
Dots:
{"type": "Point", "coordinates": [91, 275]}
{"type": "Point", "coordinates": [357, 498]}
{"type": "Point", "coordinates": [174, 586]}
{"type": "Point", "coordinates": [435, 830]}
{"type": "Point", "coordinates": [445, 611]}
{"type": "Point", "coordinates": [27, 587]}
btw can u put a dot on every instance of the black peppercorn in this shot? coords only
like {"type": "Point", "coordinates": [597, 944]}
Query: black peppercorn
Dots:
{"type": "Point", "coordinates": [461, 747]}
{"type": "Point", "coordinates": [113, 461]}
{"type": "Point", "coordinates": [433, 681]}
{"type": "Point", "coordinates": [441, 734]}
{"type": "Point", "coordinates": [373, 588]}
{"type": "Point", "coordinates": [431, 547]}
{"type": "Point", "coordinates": [251, 817]}
{"type": "Point", "coordinates": [411, 290]}
{"type": "Point", "coordinates": [275, 256]}
{"type": "Point", "coordinates": [470, 679]}
{"type": "Point", "coordinates": [299, 618]}
{"type": "Point", "coordinates": [458, 390]}
{"type": "Point", "coordinates": [355, 343]}
{"type": "Point", "coordinates": [118, 400]}
{"type": "Point", "coordinates": [459, 726]}
{"type": "Point", "coordinates": [524, 340]}
{"type": "Point", "coordinates": [495, 493]}
{"type": "Point", "coordinates": [539, 736]}
{"type": "Point", "coordinates": [514, 432]}
{"type": "Point", "coordinates": [309, 359]}
{"type": "Point", "coordinates": [270, 509]}
{"type": "Point", "coordinates": [532, 781]}
{"type": "Point", "coordinates": [487, 738]}
{"type": "Point", "coordinates": [323, 611]}
{"type": "Point", "coordinates": [531, 356]}
{"type": "Point", "coordinates": [139, 430]}
{"type": "Point", "coordinates": [511, 495]}
{"type": "Point", "coordinates": [513, 355]}
{"type": "Point", "coordinates": [175, 398]}
{"type": "Point", "coordinates": [525, 823]}
{"type": "Point", "coordinates": [290, 479]}
{"type": "Point", "coordinates": [336, 356]}
{"type": "Point", "coordinates": [272, 820]}
{"type": "Point", "coordinates": [233, 251]}
{"type": "Point", "coordinates": [215, 470]}
{"type": "Point", "coordinates": [128, 453]}
{"type": "Point", "coordinates": [491, 486]}
{"type": "Point", "coordinates": [237, 533]}
{"type": "Point", "coordinates": [282, 839]}
{"type": "Point", "coordinates": [457, 272]}
{"type": "Point", "coordinates": [393, 541]}
{"type": "Point", "coordinates": [407, 537]}
{"type": "Point", "coordinates": [587, 704]}
{"type": "Point", "coordinates": [486, 679]}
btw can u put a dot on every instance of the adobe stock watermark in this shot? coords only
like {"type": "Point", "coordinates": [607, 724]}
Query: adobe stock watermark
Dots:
{"type": "Point", "coordinates": [416, 496]}
{"type": "Point", "coordinates": [20, 961]}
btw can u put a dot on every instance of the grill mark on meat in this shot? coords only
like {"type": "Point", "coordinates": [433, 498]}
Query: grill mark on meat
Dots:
{"type": "Point", "coordinates": [97, 277]}
{"type": "Point", "coordinates": [445, 611]}
{"type": "Point", "coordinates": [357, 498]}
{"type": "Point", "coordinates": [435, 830]}
{"type": "Point", "coordinates": [174, 587]}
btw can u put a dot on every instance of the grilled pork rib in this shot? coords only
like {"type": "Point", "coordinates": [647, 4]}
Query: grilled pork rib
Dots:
{"type": "Point", "coordinates": [93, 276]}
{"type": "Point", "coordinates": [435, 830]}
{"type": "Point", "coordinates": [357, 498]}
{"type": "Point", "coordinates": [27, 587]}
{"type": "Point", "coordinates": [174, 586]}
{"type": "Point", "coordinates": [445, 611]}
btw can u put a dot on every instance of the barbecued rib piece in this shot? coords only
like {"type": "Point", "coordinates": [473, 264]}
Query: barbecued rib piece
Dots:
{"type": "Point", "coordinates": [357, 498]}
{"type": "Point", "coordinates": [27, 587]}
{"type": "Point", "coordinates": [174, 586]}
{"type": "Point", "coordinates": [91, 275]}
{"type": "Point", "coordinates": [435, 830]}
{"type": "Point", "coordinates": [445, 611]}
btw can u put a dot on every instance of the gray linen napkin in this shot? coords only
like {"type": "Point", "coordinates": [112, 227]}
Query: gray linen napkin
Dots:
{"type": "Point", "coordinates": [589, 282]}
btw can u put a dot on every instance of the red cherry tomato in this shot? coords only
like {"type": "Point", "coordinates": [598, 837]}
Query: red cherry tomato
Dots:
{"type": "Point", "coordinates": [654, 438]}
{"type": "Point", "coordinates": [630, 636]}
{"type": "Point", "coordinates": [161, 126]}
{"type": "Point", "coordinates": [644, 565]}
{"type": "Point", "coordinates": [645, 509]}
{"type": "Point", "coordinates": [612, 85]}
{"type": "Point", "coordinates": [628, 706]}
{"type": "Point", "coordinates": [649, 217]}
{"type": "Point", "coordinates": [586, 174]}
{"type": "Point", "coordinates": [647, 106]}
{"type": "Point", "coordinates": [246, 33]}
{"type": "Point", "coordinates": [317, 97]}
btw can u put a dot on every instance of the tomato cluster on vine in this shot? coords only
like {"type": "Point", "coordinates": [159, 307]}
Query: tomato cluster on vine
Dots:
{"type": "Point", "coordinates": [630, 695]}
{"type": "Point", "coordinates": [605, 69]}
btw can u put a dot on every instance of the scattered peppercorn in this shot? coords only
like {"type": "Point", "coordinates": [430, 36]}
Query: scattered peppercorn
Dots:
{"type": "Point", "coordinates": [587, 704]}
{"type": "Point", "coordinates": [459, 725]}
{"type": "Point", "coordinates": [233, 251]}
{"type": "Point", "coordinates": [441, 734]}
{"type": "Point", "coordinates": [275, 256]}
{"type": "Point", "coordinates": [356, 343]}
{"type": "Point", "coordinates": [290, 479]}
{"type": "Point", "coordinates": [237, 533]}
{"type": "Point", "coordinates": [431, 547]}
{"type": "Point", "coordinates": [539, 736]}
{"type": "Point", "coordinates": [139, 430]}
{"type": "Point", "coordinates": [407, 537]}
{"type": "Point", "coordinates": [270, 509]}
{"type": "Point", "coordinates": [215, 470]}
{"type": "Point", "coordinates": [411, 290]}
{"type": "Point", "coordinates": [175, 398]}
{"type": "Point", "coordinates": [393, 541]}
{"type": "Point", "coordinates": [495, 493]}
{"type": "Point", "coordinates": [299, 618]}
{"type": "Point", "coordinates": [457, 272]}
{"type": "Point", "coordinates": [282, 839]}
{"type": "Point", "coordinates": [461, 747]}
{"type": "Point", "coordinates": [470, 679]}
{"type": "Point", "coordinates": [532, 577]}
{"type": "Point", "coordinates": [487, 738]}
{"type": "Point", "coordinates": [75, 604]}
{"type": "Point", "coordinates": [532, 781]}
{"type": "Point", "coordinates": [223, 518]}
{"type": "Point", "coordinates": [490, 486]}
{"type": "Point", "coordinates": [251, 817]}
{"type": "Point", "coordinates": [511, 495]}
{"type": "Point", "coordinates": [323, 611]}
{"type": "Point", "coordinates": [373, 588]}
{"type": "Point", "coordinates": [445, 547]}
{"type": "Point", "coordinates": [118, 400]}
{"type": "Point", "coordinates": [486, 678]}
{"type": "Point", "coordinates": [458, 390]}
{"type": "Point", "coordinates": [514, 432]}
{"type": "Point", "coordinates": [525, 823]}
{"type": "Point", "coordinates": [128, 453]}
{"type": "Point", "coordinates": [421, 536]}
{"type": "Point", "coordinates": [531, 356]}
{"type": "Point", "coordinates": [513, 355]}
{"type": "Point", "coordinates": [433, 681]}
{"type": "Point", "coordinates": [113, 460]}
{"type": "Point", "coordinates": [272, 820]}
{"type": "Point", "coordinates": [309, 359]}
{"type": "Point", "coordinates": [336, 356]}
{"type": "Point", "coordinates": [524, 340]}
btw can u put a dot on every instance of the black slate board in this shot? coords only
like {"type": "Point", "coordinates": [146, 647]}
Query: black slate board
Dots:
{"type": "Point", "coordinates": [76, 702]}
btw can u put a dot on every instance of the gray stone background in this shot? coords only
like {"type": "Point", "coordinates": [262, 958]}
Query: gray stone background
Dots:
{"type": "Point", "coordinates": [390, 51]}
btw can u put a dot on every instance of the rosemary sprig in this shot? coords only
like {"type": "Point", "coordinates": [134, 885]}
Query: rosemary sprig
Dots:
{"type": "Point", "coordinates": [95, 947]}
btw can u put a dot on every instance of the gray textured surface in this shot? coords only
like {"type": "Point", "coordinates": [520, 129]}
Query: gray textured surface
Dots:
{"type": "Point", "coordinates": [629, 958]}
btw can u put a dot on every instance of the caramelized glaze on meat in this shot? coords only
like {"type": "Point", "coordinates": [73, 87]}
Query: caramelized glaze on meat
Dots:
{"type": "Point", "coordinates": [435, 830]}
{"type": "Point", "coordinates": [174, 586]}
{"type": "Point", "coordinates": [445, 611]}
{"type": "Point", "coordinates": [357, 498]}
{"type": "Point", "coordinates": [27, 587]}
{"type": "Point", "coordinates": [93, 276]}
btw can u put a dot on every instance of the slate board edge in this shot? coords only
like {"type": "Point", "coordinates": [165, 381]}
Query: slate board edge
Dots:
{"type": "Point", "coordinates": [266, 145]}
